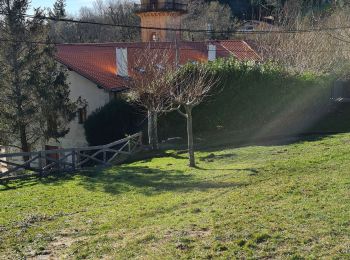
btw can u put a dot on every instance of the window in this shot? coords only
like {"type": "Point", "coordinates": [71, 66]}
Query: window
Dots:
{"type": "Point", "coordinates": [82, 114]}
{"type": "Point", "coordinates": [113, 95]}
{"type": "Point", "coordinates": [160, 67]}
{"type": "Point", "coordinates": [154, 37]}
{"type": "Point", "coordinates": [154, 4]}
{"type": "Point", "coordinates": [140, 70]}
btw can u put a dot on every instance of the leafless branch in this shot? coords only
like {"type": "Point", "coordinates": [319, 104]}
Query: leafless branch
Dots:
{"type": "Point", "coordinates": [193, 86]}
{"type": "Point", "coordinates": [315, 51]}
{"type": "Point", "coordinates": [150, 79]}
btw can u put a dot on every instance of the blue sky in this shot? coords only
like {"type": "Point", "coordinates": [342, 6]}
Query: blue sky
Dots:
{"type": "Point", "coordinates": [73, 6]}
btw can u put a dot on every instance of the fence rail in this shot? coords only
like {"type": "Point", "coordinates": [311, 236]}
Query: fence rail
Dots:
{"type": "Point", "coordinates": [18, 165]}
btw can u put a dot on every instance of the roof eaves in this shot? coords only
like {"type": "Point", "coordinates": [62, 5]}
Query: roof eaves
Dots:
{"type": "Point", "coordinates": [119, 89]}
{"type": "Point", "coordinates": [85, 75]}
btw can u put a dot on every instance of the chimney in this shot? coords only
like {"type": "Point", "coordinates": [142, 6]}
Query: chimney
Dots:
{"type": "Point", "coordinates": [210, 31]}
{"type": "Point", "coordinates": [122, 62]}
{"type": "Point", "coordinates": [211, 52]}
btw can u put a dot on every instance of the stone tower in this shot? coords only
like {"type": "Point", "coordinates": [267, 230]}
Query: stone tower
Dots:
{"type": "Point", "coordinates": [161, 14]}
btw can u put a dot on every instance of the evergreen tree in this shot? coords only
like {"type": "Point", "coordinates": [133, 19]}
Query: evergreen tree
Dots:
{"type": "Point", "coordinates": [34, 100]}
{"type": "Point", "coordinates": [59, 9]}
{"type": "Point", "coordinates": [57, 28]}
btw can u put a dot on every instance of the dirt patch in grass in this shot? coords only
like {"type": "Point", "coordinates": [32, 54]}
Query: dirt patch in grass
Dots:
{"type": "Point", "coordinates": [57, 247]}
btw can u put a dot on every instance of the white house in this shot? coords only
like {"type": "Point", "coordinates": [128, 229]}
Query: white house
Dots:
{"type": "Point", "coordinates": [97, 74]}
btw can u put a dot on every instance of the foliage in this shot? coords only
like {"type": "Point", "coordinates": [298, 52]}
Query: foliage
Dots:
{"type": "Point", "coordinates": [257, 9]}
{"type": "Point", "coordinates": [213, 16]}
{"type": "Point", "coordinates": [59, 9]}
{"type": "Point", "coordinates": [122, 12]}
{"type": "Point", "coordinates": [317, 51]}
{"type": "Point", "coordinates": [112, 122]}
{"type": "Point", "coordinates": [241, 203]}
{"type": "Point", "coordinates": [255, 96]}
{"type": "Point", "coordinates": [34, 100]}
{"type": "Point", "coordinates": [104, 11]}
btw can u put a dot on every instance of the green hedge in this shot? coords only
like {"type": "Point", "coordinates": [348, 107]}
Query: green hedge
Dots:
{"type": "Point", "coordinates": [262, 99]}
{"type": "Point", "coordinates": [112, 122]}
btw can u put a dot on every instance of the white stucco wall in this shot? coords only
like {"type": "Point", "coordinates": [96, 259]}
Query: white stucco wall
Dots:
{"type": "Point", "coordinates": [79, 87]}
{"type": "Point", "coordinates": [3, 167]}
{"type": "Point", "coordinates": [95, 97]}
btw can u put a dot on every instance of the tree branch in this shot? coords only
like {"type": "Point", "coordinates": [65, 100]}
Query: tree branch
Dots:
{"type": "Point", "coordinates": [181, 113]}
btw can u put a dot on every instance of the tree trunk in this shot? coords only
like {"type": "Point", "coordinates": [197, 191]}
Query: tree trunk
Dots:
{"type": "Point", "coordinates": [192, 159]}
{"type": "Point", "coordinates": [153, 130]}
{"type": "Point", "coordinates": [24, 142]}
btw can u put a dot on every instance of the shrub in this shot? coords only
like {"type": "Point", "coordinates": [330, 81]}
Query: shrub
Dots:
{"type": "Point", "coordinates": [260, 98]}
{"type": "Point", "coordinates": [112, 122]}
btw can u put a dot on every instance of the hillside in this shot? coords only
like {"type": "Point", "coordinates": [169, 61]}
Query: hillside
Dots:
{"type": "Point", "coordinates": [286, 201]}
{"type": "Point", "coordinates": [240, 8]}
{"type": "Point", "coordinates": [244, 9]}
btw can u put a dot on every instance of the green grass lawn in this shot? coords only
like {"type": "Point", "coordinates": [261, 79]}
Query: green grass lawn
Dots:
{"type": "Point", "coordinates": [255, 202]}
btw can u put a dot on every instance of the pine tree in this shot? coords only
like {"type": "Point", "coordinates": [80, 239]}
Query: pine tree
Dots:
{"type": "Point", "coordinates": [34, 99]}
{"type": "Point", "coordinates": [59, 9]}
{"type": "Point", "coordinates": [57, 28]}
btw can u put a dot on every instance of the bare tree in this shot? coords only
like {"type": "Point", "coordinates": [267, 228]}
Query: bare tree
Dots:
{"type": "Point", "coordinates": [320, 51]}
{"type": "Point", "coordinates": [208, 15]}
{"type": "Point", "coordinates": [149, 86]}
{"type": "Point", "coordinates": [112, 12]}
{"type": "Point", "coordinates": [191, 85]}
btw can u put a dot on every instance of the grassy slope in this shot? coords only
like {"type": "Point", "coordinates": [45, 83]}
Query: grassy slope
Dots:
{"type": "Point", "coordinates": [289, 201]}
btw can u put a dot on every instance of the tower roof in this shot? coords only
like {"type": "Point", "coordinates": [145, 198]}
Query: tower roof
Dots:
{"type": "Point", "coordinates": [161, 6]}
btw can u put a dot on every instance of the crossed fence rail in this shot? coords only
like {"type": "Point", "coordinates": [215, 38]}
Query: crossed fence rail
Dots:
{"type": "Point", "coordinates": [20, 165]}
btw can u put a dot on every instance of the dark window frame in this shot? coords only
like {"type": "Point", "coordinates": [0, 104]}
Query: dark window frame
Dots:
{"type": "Point", "coordinates": [82, 115]}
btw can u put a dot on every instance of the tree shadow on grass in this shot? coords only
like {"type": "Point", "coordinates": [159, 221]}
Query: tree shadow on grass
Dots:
{"type": "Point", "coordinates": [148, 181]}
{"type": "Point", "coordinates": [211, 157]}
{"type": "Point", "coordinates": [251, 171]}
{"type": "Point", "coordinates": [125, 178]}
{"type": "Point", "coordinates": [52, 179]}
{"type": "Point", "coordinates": [278, 140]}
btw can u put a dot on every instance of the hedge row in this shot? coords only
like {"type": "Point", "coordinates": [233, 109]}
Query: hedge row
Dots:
{"type": "Point", "coordinates": [257, 99]}
{"type": "Point", "coordinates": [263, 99]}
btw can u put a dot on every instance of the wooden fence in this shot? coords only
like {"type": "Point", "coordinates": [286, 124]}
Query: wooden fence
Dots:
{"type": "Point", "coordinates": [18, 165]}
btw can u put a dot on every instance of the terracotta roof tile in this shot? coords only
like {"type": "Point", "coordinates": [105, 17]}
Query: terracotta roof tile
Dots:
{"type": "Point", "coordinates": [240, 49]}
{"type": "Point", "coordinates": [97, 62]}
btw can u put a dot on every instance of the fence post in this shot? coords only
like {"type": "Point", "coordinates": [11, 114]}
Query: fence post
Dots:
{"type": "Point", "coordinates": [74, 162]}
{"type": "Point", "coordinates": [59, 163]}
{"type": "Point", "coordinates": [129, 145]}
{"type": "Point", "coordinates": [40, 163]}
{"type": "Point", "coordinates": [140, 140]}
{"type": "Point", "coordinates": [104, 156]}
{"type": "Point", "coordinates": [77, 157]}
{"type": "Point", "coordinates": [46, 162]}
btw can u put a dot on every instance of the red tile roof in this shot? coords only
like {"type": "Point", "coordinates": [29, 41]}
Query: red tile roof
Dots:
{"type": "Point", "coordinates": [97, 62]}
{"type": "Point", "coordinates": [240, 49]}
